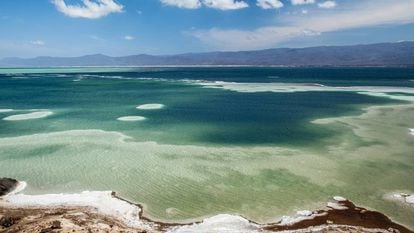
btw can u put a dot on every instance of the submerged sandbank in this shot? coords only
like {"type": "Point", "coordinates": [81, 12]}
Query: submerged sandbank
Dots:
{"type": "Point", "coordinates": [338, 214]}
{"type": "Point", "coordinates": [28, 116]}
{"type": "Point", "coordinates": [297, 87]}
{"type": "Point", "coordinates": [378, 91]}
{"type": "Point", "coordinates": [5, 110]}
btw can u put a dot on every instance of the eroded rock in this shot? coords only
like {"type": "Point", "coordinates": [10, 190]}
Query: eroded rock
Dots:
{"type": "Point", "coordinates": [6, 221]}
{"type": "Point", "coordinates": [7, 185]}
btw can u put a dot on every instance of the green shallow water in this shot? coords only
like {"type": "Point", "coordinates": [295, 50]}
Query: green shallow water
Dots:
{"type": "Point", "coordinates": [209, 151]}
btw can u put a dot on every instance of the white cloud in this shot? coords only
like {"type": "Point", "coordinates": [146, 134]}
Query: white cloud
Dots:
{"type": "Point", "coordinates": [301, 2]}
{"type": "Point", "coordinates": [308, 32]}
{"type": "Point", "coordinates": [225, 4]}
{"type": "Point", "coordinates": [269, 4]}
{"type": "Point", "coordinates": [216, 4]}
{"type": "Point", "coordinates": [37, 42]}
{"type": "Point", "coordinates": [365, 14]}
{"type": "Point", "coordinates": [188, 4]}
{"type": "Point", "coordinates": [129, 38]}
{"type": "Point", "coordinates": [91, 9]}
{"type": "Point", "coordinates": [327, 4]}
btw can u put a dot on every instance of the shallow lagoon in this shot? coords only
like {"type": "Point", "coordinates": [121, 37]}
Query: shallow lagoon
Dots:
{"type": "Point", "coordinates": [208, 150]}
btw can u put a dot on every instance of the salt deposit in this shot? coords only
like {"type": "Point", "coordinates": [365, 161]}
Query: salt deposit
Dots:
{"type": "Point", "coordinates": [300, 216]}
{"type": "Point", "coordinates": [219, 223]}
{"type": "Point", "coordinates": [150, 106]}
{"type": "Point", "coordinates": [103, 201]}
{"type": "Point", "coordinates": [402, 197]}
{"type": "Point", "coordinates": [6, 110]}
{"type": "Point", "coordinates": [28, 116]}
{"type": "Point", "coordinates": [131, 118]}
{"type": "Point", "coordinates": [386, 92]}
{"type": "Point", "coordinates": [20, 186]}
{"type": "Point", "coordinates": [336, 206]}
{"type": "Point", "coordinates": [339, 198]}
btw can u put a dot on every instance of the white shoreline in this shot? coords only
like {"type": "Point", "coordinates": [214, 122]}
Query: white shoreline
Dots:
{"type": "Point", "coordinates": [107, 204]}
{"type": "Point", "coordinates": [102, 201]}
{"type": "Point", "coordinates": [21, 185]}
{"type": "Point", "coordinates": [219, 223]}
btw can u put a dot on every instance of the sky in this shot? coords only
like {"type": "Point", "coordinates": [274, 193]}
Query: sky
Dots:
{"type": "Point", "coordinates": [30, 28]}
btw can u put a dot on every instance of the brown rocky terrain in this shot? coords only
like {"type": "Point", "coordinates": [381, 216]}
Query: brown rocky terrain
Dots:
{"type": "Point", "coordinates": [340, 215]}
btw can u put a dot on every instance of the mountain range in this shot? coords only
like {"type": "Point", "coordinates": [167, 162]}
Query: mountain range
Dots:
{"type": "Point", "coordinates": [382, 54]}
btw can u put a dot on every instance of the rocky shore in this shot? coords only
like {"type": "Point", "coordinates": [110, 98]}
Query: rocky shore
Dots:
{"type": "Point", "coordinates": [7, 185]}
{"type": "Point", "coordinates": [105, 212]}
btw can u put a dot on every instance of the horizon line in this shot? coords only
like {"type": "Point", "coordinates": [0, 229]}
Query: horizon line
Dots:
{"type": "Point", "coordinates": [214, 51]}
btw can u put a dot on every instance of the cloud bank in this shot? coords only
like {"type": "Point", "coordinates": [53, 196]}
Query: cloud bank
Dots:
{"type": "Point", "coordinates": [364, 14]}
{"type": "Point", "coordinates": [90, 9]}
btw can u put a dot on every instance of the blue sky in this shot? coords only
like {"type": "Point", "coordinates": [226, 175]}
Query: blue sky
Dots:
{"type": "Point", "coordinates": [123, 27]}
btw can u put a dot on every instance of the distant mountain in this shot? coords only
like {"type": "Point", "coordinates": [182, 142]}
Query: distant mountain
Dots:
{"type": "Point", "coordinates": [384, 54]}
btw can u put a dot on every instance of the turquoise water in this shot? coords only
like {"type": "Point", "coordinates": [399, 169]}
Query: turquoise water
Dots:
{"type": "Point", "coordinates": [212, 150]}
{"type": "Point", "coordinates": [193, 114]}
